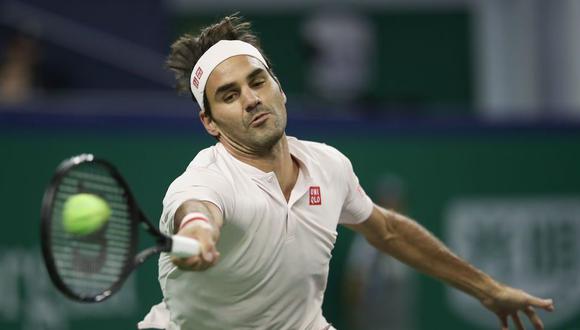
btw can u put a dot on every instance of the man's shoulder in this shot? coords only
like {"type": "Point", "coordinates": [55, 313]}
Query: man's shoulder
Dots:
{"type": "Point", "coordinates": [317, 150]}
{"type": "Point", "coordinates": [203, 168]}
{"type": "Point", "coordinates": [205, 158]}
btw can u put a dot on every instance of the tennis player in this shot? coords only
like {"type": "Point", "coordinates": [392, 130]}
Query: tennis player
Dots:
{"type": "Point", "coordinates": [266, 206]}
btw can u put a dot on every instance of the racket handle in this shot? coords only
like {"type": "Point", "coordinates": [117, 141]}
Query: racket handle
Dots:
{"type": "Point", "coordinates": [183, 247]}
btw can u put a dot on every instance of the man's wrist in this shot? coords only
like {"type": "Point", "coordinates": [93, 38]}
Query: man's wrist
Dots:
{"type": "Point", "coordinates": [489, 289]}
{"type": "Point", "coordinates": [197, 219]}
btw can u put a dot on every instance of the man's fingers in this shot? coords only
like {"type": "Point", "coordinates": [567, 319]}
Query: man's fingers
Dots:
{"type": "Point", "coordinates": [504, 322]}
{"type": "Point", "coordinates": [534, 318]}
{"type": "Point", "coordinates": [547, 304]}
{"type": "Point", "coordinates": [203, 233]}
{"type": "Point", "coordinates": [208, 255]}
{"type": "Point", "coordinates": [196, 263]}
{"type": "Point", "coordinates": [517, 321]}
{"type": "Point", "coordinates": [191, 263]}
{"type": "Point", "coordinates": [208, 251]}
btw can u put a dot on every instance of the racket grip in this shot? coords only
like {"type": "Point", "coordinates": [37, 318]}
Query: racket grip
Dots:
{"type": "Point", "coordinates": [183, 247]}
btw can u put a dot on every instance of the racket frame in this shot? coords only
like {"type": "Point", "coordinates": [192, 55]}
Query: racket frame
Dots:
{"type": "Point", "coordinates": [163, 243]}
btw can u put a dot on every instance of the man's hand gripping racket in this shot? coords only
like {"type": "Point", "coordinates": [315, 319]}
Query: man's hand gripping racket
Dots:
{"type": "Point", "coordinates": [89, 230]}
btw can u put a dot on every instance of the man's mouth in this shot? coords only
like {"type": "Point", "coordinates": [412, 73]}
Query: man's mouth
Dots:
{"type": "Point", "coordinates": [259, 119]}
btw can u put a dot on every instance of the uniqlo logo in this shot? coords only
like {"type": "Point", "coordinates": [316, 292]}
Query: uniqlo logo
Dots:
{"type": "Point", "coordinates": [198, 73]}
{"type": "Point", "coordinates": [197, 77]}
{"type": "Point", "coordinates": [315, 198]}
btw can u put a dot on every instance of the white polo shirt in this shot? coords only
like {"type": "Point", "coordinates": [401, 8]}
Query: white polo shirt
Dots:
{"type": "Point", "coordinates": [273, 268]}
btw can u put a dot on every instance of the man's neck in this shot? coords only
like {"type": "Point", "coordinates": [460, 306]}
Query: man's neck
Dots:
{"type": "Point", "coordinates": [277, 160]}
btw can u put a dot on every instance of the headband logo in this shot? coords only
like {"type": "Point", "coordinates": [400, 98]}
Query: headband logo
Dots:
{"type": "Point", "coordinates": [198, 74]}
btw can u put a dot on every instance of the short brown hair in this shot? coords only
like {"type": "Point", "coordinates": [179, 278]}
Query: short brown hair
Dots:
{"type": "Point", "coordinates": [186, 51]}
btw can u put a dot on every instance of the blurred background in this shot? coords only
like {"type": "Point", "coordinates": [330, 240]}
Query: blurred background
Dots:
{"type": "Point", "coordinates": [463, 114]}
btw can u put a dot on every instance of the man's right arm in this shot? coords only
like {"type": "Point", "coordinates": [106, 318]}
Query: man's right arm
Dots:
{"type": "Point", "coordinates": [206, 232]}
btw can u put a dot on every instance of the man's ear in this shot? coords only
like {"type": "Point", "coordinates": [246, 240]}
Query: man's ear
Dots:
{"type": "Point", "coordinates": [209, 124]}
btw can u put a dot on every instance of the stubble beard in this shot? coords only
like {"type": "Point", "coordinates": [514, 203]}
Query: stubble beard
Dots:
{"type": "Point", "coordinates": [260, 140]}
{"type": "Point", "coordinates": [263, 140]}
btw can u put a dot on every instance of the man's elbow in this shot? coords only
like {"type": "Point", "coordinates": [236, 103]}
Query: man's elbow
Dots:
{"type": "Point", "coordinates": [386, 232]}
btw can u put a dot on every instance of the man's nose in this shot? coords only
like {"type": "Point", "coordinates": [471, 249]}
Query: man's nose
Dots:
{"type": "Point", "coordinates": [251, 99]}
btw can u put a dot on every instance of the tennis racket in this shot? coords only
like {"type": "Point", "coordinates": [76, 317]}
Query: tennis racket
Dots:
{"type": "Point", "coordinates": [91, 268]}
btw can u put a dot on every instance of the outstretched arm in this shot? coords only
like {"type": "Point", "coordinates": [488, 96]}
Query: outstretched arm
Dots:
{"type": "Point", "coordinates": [205, 230]}
{"type": "Point", "coordinates": [412, 244]}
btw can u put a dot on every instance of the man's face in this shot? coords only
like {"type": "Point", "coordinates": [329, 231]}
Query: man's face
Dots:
{"type": "Point", "coordinates": [247, 105]}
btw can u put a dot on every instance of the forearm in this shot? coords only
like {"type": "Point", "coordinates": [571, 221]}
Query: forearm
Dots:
{"type": "Point", "coordinates": [206, 233]}
{"type": "Point", "coordinates": [414, 245]}
{"type": "Point", "coordinates": [210, 211]}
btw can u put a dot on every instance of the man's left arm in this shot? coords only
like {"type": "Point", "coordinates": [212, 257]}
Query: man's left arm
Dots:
{"type": "Point", "coordinates": [409, 242]}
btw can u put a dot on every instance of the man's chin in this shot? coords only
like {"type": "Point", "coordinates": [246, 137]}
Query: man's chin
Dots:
{"type": "Point", "coordinates": [267, 141]}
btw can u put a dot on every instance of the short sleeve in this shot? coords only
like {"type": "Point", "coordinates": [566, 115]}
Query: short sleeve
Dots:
{"type": "Point", "coordinates": [357, 205]}
{"type": "Point", "coordinates": [200, 184]}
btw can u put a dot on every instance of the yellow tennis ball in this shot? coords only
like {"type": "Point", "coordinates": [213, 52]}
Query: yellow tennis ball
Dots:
{"type": "Point", "coordinates": [84, 214]}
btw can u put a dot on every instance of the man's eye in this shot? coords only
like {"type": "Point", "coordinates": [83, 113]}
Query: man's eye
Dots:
{"type": "Point", "coordinates": [258, 83]}
{"type": "Point", "coordinates": [230, 97]}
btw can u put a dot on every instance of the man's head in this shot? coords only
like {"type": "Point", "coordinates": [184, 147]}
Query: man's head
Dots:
{"type": "Point", "coordinates": [237, 90]}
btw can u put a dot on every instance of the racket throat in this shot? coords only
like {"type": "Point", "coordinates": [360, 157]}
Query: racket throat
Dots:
{"type": "Point", "coordinates": [163, 245]}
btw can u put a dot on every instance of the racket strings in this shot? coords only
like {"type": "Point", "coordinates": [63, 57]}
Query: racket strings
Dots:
{"type": "Point", "coordinates": [90, 265]}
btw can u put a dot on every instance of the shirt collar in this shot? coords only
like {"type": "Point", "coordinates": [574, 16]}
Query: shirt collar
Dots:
{"type": "Point", "coordinates": [296, 151]}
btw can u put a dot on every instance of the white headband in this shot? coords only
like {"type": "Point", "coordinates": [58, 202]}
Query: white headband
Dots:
{"type": "Point", "coordinates": [216, 54]}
